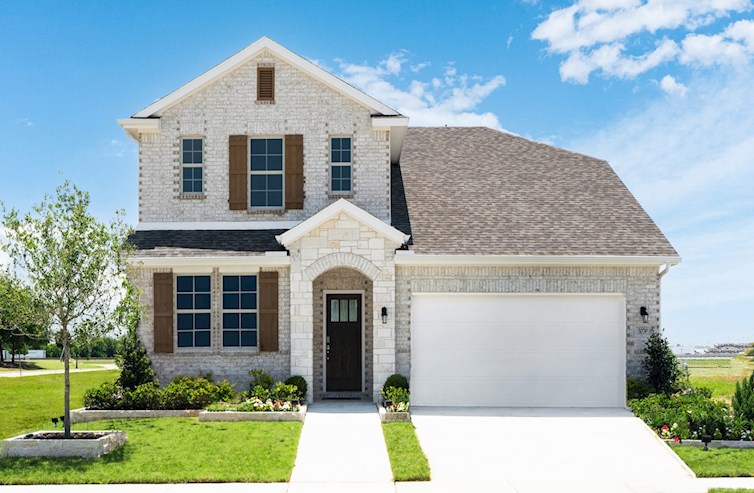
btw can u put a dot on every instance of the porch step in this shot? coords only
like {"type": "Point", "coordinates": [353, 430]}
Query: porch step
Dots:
{"type": "Point", "coordinates": [343, 395]}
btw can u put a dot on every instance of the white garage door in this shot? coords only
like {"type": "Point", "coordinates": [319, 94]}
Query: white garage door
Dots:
{"type": "Point", "coordinates": [518, 350]}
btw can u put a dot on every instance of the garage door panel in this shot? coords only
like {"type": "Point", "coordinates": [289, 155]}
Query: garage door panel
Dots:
{"type": "Point", "coordinates": [518, 350]}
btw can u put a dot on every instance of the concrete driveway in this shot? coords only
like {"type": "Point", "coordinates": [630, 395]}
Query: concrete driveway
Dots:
{"type": "Point", "coordinates": [494, 444]}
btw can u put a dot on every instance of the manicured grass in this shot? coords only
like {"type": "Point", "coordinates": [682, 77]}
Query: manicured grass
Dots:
{"type": "Point", "coordinates": [407, 458]}
{"type": "Point", "coordinates": [56, 364]}
{"type": "Point", "coordinates": [28, 403]}
{"type": "Point", "coordinates": [720, 375]}
{"type": "Point", "coordinates": [173, 450]}
{"type": "Point", "coordinates": [718, 463]}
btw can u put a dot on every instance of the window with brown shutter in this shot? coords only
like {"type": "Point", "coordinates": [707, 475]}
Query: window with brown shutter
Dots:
{"type": "Point", "coordinates": [163, 312]}
{"type": "Point", "coordinates": [238, 184]}
{"type": "Point", "coordinates": [268, 311]}
{"type": "Point", "coordinates": [265, 83]}
{"type": "Point", "coordinates": [294, 171]}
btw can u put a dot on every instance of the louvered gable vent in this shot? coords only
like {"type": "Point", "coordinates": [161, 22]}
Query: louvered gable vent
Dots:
{"type": "Point", "coordinates": [265, 83]}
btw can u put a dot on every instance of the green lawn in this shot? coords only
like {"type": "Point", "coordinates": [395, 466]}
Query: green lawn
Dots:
{"type": "Point", "coordinates": [717, 463]}
{"type": "Point", "coordinates": [729, 490]}
{"type": "Point", "coordinates": [720, 375]}
{"type": "Point", "coordinates": [55, 364]}
{"type": "Point", "coordinates": [406, 456]}
{"type": "Point", "coordinates": [28, 403]}
{"type": "Point", "coordinates": [173, 450]}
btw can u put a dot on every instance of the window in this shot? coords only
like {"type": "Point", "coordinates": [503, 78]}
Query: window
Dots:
{"type": "Point", "coordinates": [193, 306]}
{"type": "Point", "coordinates": [344, 310]}
{"type": "Point", "coordinates": [239, 311]}
{"type": "Point", "coordinates": [266, 181]}
{"type": "Point", "coordinates": [340, 165]}
{"type": "Point", "coordinates": [192, 158]}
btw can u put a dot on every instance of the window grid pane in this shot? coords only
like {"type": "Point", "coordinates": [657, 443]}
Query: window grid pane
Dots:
{"type": "Point", "coordinates": [239, 311]}
{"type": "Point", "coordinates": [266, 168]}
{"type": "Point", "coordinates": [340, 164]}
{"type": "Point", "coordinates": [193, 311]}
{"type": "Point", "coordinates": [192, 153]}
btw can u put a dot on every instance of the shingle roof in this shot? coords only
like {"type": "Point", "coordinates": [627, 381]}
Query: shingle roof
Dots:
{"type": "Point", "coordinates": [480, 191]}
{"type": "Point", "coordinates": [164, 243]}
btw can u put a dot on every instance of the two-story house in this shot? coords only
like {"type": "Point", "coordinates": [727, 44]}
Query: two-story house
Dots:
{"type": "Point", "coordinates": [292, 223]}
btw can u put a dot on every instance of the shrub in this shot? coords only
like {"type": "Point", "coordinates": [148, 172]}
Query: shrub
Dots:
{"type": "Point", "coordinates": [686, 415]}
{"type": "Point", "coordinates": [145, 396]}
{"type": "Point", "coordinates": [188, 393]}
{"type": "Point", "coordinates": [300, 383]}
{"type": "Point", "coordinates": [261, 378]}
{"type": "Point", "coordinates": [395, 394]}
{"type": "Point", "coordinates": [743, 398]}
{"type": "Point", "coordinates": [636, 388]}
{"type": "Point", "coordinates": [661, 366]}
{"type": "Point", "coordinates": [135, 366]}
{"type": "Point", "coordinates": [260, 392]}
{"type": "Point", "coordinates": [396, 380]}
{"type": "Point", "coordinates": [109, 395]}
{"type": "Point", "coordinates": [284, 392]}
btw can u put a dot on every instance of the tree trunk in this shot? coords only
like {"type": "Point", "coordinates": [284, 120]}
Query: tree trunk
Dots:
{"type": "Point", "coordinates": [66, 358]}
{"type": "Point", "coordinates": [2, 353]}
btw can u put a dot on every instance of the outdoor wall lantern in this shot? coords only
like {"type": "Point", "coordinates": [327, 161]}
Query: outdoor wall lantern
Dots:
{"type": "Point", "coordinates": [384, 315]}
{"type": "Point", "coordinates": [644, 314]}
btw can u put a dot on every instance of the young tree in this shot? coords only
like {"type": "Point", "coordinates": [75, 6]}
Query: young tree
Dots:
{"type": "Point", "coordinates": [661, 366]}
{"type": "Point", "coordinates": [73, 262]}
{"type": "Point", "coordinates": [135, 366]}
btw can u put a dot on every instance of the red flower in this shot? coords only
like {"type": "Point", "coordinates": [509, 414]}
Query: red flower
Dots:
{"type": "Point", "coordinates": [665, 427]}
{"type": "Point", "coordinates": [676, 439]}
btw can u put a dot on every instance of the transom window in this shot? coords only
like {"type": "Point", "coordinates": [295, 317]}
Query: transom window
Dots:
{"type": "Point", "coordinates": [192, 159]}
{"type": "Point", "coordinates": [340, 164]}
{"type": "Point", "coordinates": [266, 182]}
{"type": "Point", "coordinates": [346, 310]}
{"type": "Point", "coordinates": [193, 310]}
{"type": "Point", "coordinates": [239, 311]}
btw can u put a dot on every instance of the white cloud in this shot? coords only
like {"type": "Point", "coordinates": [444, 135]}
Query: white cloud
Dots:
{"type": "Point", "coordinates": [451, 99]}
{"type": "Point", "coordinates": [24, 122]}
{"type": "Point", "coordinates": [688, 161]}
{"type": "Point", "coordinates": [594, 35]}
{"type": "Point", "coordinates": [117, 148]}
{"type": "Point", "coordinates": [672, 87]}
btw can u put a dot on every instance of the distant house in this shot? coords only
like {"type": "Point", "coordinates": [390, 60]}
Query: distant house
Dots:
{"type": "Point", "coordinates": [290, 222]}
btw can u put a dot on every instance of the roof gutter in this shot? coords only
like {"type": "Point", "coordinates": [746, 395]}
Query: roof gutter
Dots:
{"type": "Point", "coordinates": [409, 258]}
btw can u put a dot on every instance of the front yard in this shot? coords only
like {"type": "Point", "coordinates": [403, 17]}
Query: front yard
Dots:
{"type": "Point", "coordinates": [407, 460]}
{"type": "Point", "coordinates": [173, 450]}
{"type": "Point", "coordinates": [55, 364]}
{"type": "Point", "coordinates": [716, 463]}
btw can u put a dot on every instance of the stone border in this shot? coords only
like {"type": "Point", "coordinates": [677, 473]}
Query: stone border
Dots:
{"type": "Point", "coordinates": [740, 444]}
{"type": "Point", "coordinates": [88, 415]}
{"type": "Point", "coordinates": [230, 416]}
{"type": "Point", "coordinates": [388, 417]}
{"type": "Point", "coordinates": [21, 446]}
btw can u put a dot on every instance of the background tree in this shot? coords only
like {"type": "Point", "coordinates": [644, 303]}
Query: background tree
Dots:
{"type": "Point", "coordinates": [22, 317]}
{"type": "Point", "coordinates": [74, 264]}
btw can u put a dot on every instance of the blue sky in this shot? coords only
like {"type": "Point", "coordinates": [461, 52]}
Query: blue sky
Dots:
{"type": "Point", "coordinates": [660, 89]}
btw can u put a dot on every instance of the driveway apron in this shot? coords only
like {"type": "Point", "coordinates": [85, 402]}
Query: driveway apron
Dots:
{"type": "Point", "coordinates": [342, 442]}
{"type": "Point", "coordinates": [482, 444]}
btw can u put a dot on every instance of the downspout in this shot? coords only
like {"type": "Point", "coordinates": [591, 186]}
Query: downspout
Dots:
{"type": "Point", "coordinates": [663, 270]}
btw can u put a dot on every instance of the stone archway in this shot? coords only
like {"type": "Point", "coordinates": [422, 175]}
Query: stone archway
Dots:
{"type": "Point", "coordinates": [341, 279]}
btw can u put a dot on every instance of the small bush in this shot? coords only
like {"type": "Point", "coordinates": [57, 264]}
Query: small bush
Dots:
{"type": "Point", "coordinates": [396, 380]}
{"type": "Point", "coordinates": [743, 398]}
{"type": "Point", "coordinates": [300, 383]}
{"type": "Point", "coordinates": [636, 388]}
{"type": "Point", "coordinates": [261, 378]}
{"type": "Point", "coordinates": [109, 395]}
{"type": "Point", "coordinates": [260, 392]}
{"type": "Point", "coordinates": [284, 392]}
{"type": "Point", "coordinates": [145, 396]}
{"type": "Point", "coordinates": [395, 394]}
{"type": "Point", "coordinates": [663, 372]}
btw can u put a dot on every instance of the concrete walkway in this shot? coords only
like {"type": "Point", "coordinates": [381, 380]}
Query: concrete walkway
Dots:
{"type": "Point", "coordinates": [34, 373]}
{"type": "Point", "coordinates": [342, 442]}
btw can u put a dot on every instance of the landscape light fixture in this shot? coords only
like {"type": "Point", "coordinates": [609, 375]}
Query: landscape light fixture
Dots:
{"type": "Point", "coordinates": [644, 314]}
{"type": "Point", "coordinates": [706, 439]}
{"type": "Point", "coordinates": [384, 315]}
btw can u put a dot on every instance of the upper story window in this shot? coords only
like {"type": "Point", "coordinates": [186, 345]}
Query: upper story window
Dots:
{"type": "Point", "coordinates": [240, 311]}
{"type": "Point", "coordinates": [340, 165]}
{"type": "Point", "coordinates": [192, 160]}
{"type": "Point", "coordinates": [266, 174]}
{"type": "Point", "coordinates": [265, 83]}
{"type": "Point", "coordinates": [193, 310]}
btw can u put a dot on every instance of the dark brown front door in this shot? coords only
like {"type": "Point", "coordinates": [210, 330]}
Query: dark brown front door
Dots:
{"type": "Point", "coordinates": [343, 342]}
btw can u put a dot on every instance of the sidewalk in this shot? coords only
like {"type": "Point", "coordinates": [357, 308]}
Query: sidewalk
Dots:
{"type": "Point", "coordinates": [34, 373]}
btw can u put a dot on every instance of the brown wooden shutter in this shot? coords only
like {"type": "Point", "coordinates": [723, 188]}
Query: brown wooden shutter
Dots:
{"type": "Point", "coordinates": [163, 312]}
{"type": "Point", "coordinates": [294, 171]}
{"type": "Point", "coordinates": [268, 311]}
{"type": "Point", "coordinates": [238, 188]}
{"type": "Point", "coordinates": [265, 83]}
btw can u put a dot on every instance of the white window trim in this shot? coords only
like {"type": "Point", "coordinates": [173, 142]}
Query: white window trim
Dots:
{"type": "Point", "coordinates": [331, 164]}
{"type": "Point", "coordinates": [176, 311]}
{"type": "Point", "coordinates": [192, 195]}
{"type": "Point", "coordinates": [238, 349]}
{"type": "Point", "coordinates": [250, 172]}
